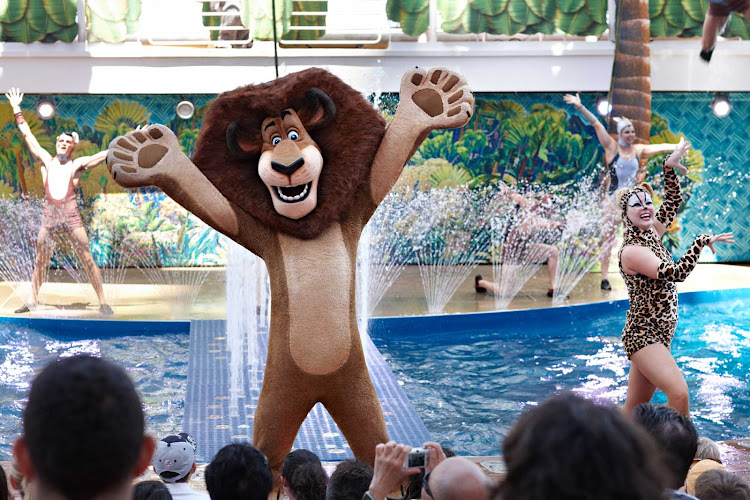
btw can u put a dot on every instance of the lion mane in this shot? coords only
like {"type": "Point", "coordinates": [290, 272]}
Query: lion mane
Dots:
{"type": "Point", "coordinates": [348, 145]}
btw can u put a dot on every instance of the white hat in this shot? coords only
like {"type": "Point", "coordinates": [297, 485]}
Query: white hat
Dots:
{"type": "Point", "coordinates": [174, 457]}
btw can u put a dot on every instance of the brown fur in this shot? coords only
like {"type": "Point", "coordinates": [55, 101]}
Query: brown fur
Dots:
{"type": "Point", "coordinates": [346, 165]}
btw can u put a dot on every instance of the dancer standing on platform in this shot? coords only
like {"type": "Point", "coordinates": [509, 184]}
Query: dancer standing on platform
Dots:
{"type": "Point", "coordinates": [650, 275]}
{"type": "Point", "coordinates": [623, 159]}
{"type": "Point", "coordinates": [60, 174]}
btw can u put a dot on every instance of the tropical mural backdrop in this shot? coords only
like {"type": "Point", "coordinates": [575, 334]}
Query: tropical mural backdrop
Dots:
{"type": "Point", "coordinates": [517, 139]}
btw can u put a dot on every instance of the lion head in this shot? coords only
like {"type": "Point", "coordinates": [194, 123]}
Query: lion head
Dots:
{"type": "Point", "coordinates": [292, 152]}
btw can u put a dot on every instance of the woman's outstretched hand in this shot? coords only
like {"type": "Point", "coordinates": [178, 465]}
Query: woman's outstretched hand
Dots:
{"type": "Point", "coordinates": [575, 100]}
{"type": "Point", "coordinates": [723, 237]}
{"type": "Point", "coordinates": [15, 97]}
{"type": "Point", "coordinates": [674, 158]}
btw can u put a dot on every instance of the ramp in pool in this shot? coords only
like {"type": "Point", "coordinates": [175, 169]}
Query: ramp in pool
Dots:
{"type": "Point", "coordinates": [209, 418]}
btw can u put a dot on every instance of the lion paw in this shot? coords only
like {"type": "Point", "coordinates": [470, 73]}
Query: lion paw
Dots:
{"type": "Point", "coordinates": [138, 157]}
{"type": "Point", "coordinates": [441, 97]}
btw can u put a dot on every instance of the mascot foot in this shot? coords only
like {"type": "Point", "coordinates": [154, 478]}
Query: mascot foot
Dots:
{"type": "Point", "coordinates": [139, 157]}
{"type": "Point", "coordinates": [439, 98]}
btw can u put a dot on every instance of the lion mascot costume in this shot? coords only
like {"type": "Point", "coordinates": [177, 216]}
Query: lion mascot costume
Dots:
{"type": "Point", "coordinates": [292, 170]}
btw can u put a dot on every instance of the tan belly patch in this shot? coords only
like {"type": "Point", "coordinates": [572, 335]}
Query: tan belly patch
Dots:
{"type": "Point", "coordinates": [318, 279]}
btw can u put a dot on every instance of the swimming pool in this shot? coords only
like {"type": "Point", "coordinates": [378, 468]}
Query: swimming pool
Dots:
{"type": "Point", "coordinates": [470, 387]}
{"type": "Point", "coordinates": [467, 386]}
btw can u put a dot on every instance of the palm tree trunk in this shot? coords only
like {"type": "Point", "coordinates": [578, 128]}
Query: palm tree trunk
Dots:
{"type": "Point", "coordinates": [630, 93]}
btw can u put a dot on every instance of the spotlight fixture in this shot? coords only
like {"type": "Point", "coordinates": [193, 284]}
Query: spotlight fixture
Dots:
{"type": "Point", "coordinates": [721, 105]}
{"type": "Point", "coordinates": [603, 107]}
{"type": "Point", "coordinates": [45, 109]}
{"type": "Point", "coordinates": [185, 109]}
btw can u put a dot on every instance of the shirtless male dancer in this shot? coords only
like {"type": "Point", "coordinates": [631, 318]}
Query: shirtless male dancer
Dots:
{"type": "Point", "coordinates": [60, 175]}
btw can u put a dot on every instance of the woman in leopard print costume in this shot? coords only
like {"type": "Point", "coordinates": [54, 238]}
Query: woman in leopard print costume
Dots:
{"type": "Point", "coordinates": [650, 275]}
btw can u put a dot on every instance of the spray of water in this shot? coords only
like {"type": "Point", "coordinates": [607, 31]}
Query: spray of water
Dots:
{"type": "Point", "coordinates": [21, 221]}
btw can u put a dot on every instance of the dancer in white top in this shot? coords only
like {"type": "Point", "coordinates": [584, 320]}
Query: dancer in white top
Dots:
{"type": "Point", "coordinates": [60, 174]}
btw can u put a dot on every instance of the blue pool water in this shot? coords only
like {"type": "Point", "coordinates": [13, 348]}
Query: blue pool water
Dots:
{"type": "Point", "coordinates": [468, 387]}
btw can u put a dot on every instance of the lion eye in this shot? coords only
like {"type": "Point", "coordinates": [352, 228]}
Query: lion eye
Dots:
{"type": "Point", "coordinates": [276, 140]}
{"type": "Point", "coordinates": [293, 135]}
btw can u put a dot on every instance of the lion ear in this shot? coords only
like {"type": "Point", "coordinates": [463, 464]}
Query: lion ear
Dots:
{"type": "Point", "coordinates": [318, 109]}
{"type": "Point", "coordinates": [244, 143]}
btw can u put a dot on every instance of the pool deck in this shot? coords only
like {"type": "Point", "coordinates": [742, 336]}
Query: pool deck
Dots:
{"type": "Point", "coordinates": [137, 299]}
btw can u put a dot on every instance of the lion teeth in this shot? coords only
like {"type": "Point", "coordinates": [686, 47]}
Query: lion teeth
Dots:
{"type": "Point", "coordinates": [292, 198]}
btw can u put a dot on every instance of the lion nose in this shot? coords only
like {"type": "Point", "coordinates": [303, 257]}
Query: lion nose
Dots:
{"type": "Point", "coordinates": [287, 169]}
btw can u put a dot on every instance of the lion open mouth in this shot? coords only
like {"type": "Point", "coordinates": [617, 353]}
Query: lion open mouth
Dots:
{"type": "Point", "coordinates": [292, 194]}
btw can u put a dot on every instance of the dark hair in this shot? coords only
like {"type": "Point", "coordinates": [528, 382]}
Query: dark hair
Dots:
{"type": "Point", "coordinates": [151, 490]}
{"type": "Point", "coordinates": [83, 426]}
{"type": "Point", "coordinates": [570, 448]}
{"type": "Point", "coordinates": [675, 437]}
{"type": "Point", "coordinates": [239, 471]}
{"type": "Point", "coordinates": [414, 486]}
{"type": "Point", "coordinates": [349, 481]}
{"type": "Point", "coordinates": [717, 484]}
{"type": "Point", "coordinates": [3, 485]}
{"type": "Point", "coordinates": [305, 475]}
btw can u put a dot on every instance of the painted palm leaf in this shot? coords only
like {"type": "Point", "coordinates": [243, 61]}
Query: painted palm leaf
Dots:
{"type": "Point", "coordinates": [62, 12]}
{"type": "Point", "coordinates": [22, 31]}
{"type": "Point", "coordinates": [12, 10]}
{"type": "Point", "coordinates": [597, 9]}
{"type": "Point", "coordinates": [134, 13]}
{"type": "Point", "coordinates": [504, 24]}
{"type": "Point", "coordinates": [570, 6]}
{"type": "Point", "coordinates": [452, 10]}
{"type": "Point", "coordinates": [493, 7]}
{"type": "Point", "coordinates": [258, 16]}
{"type": "Point", "coordinates": [110, 10]}
{"type": "Point", "coordinates": [103, 30]}
{"type": "Point", "coordinates": [307, 20]}
{"type": "Point", "coordinates": [412, 15]}
{"type": "Point", "coordinates": [695, 9]}
{"type": "Point", "coordinates": [119, 118]}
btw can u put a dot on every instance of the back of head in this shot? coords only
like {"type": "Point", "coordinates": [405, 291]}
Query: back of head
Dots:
{"type": "Point", "coordinates": [304, 475]}
{"type": "Point", "coordinates": [675, 436]}
{"type": "Point", "coordinates": [3, 485]}
{"type": "Point", "coordinates": [83, 426]}
{"type": "Point", "coordinates": [707, 449]}
{"type": "Point", "coordinates": [151, 490]}
{"type": "Point", "coordinates": [174, 457]}
{"type": "Point", "coordinates": [239, 471]}
{"type": "Point", "coordinates": [349, 481]}
{"type": "Point", "coordinates": [571, 448]}
{"type": "Point", "coordinates": [458, 478]}
{"type": "Point", "coordinates": [721, 485]}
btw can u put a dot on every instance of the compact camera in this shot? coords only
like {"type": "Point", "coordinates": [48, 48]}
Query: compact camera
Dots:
{"type": "Point", "coordinates": [417, 457]}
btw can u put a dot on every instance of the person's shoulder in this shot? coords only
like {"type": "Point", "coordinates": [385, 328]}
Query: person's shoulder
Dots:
{"type": "Point", "coordinates": [678, 495]}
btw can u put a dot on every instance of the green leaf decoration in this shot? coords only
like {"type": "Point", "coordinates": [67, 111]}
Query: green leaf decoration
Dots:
{"type": "Point", "coordinates": [133, 15]}
{"type": "Point", "coordinates": [62, 12]}
{"type": "Point", "coordinates": [21, 31]}
{"type": "Point", "coordinates": [570, 6]}
{"type": "Point", "coordinates": [111, 10]}
{"type": "Point", "coordinates": [452, 10]}
{"type": "Point", "coordinates": [576, 23]}
{"type": "Point", "coordinates": [37, 17]}
{"type": "Point", "coordinates": [307, 20]}
{"type": "Point", "coordinates": [522, 14]}
{"type": "Point", "coordinates": [415, 6]}
{"type": "Point", "coordinates": [393, 10]}
{"type": "Point", "coordinates": [544, 27]}
{"type": "Point", "coordinates": [104, 30]}
{"type": "Point", "coordinates": [12, 10]}
{"type": "Point", "coordinates": [491, 7]}
{"type": "Point", "coordinates": [414, 24]}
{"type": "Point", "coordinates": [695, 9]}
{"type": "Point", "coordinates": [675, 13]}
{"type": "Point", "coordinates": [259, 14]}
{"type": "Point", "coordinates": [658, 27]}
{"type": "Point", "coordinates": [738, 26]}
{"type": "Point", "coordinates": [655, 8]}
{"type": "Point", "coordinates": [118, 118]}
{"type": "Point", "coordinates": [67, 34]}
{"type": "Point", "coordinates": [597, 9]}
{"type": "Point", "coordinates": [475, 22]}
{"type": "Point", "coordinates": [503, 24]}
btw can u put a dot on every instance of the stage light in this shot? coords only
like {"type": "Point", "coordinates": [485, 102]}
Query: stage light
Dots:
{"type": "Point", "coordinates": [603, 107]}
{"type": "Point", "coordinates": [721, 105]}
{"type": "Point", "coordinates": [45, 109]}
{"type": "Point", "coordinates": [185, 109]}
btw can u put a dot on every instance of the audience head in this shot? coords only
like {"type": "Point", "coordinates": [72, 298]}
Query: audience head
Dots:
{"type": "Point", "coordinates": [675, 437]}
{"type": "Point", "coordinates": [303, 476]}
{"type": "Point", "coordinates": [239, 471]}
{"type": "Point", "coordinates": [83, 430]}
{"type": "Point", "coordinates": [707, 450]}
{"type": "Point", "coordinates": [721, 485]}
{"type": "Point", "coordinates": [174, 458]}
{"type": "Point", "coordinates": [151, 490]}
{"type": "Point", "coordinates": [349, 481]}
{"type": "Point", "coordinates": [571, 448]}
{"type": "Point", "coordinates": [17, 480]}
{"type": "Point", "coordinates": [414, 486]}
{"type": "Point", "coordinates": [697, 471]}
{"type": "Point", "coordinates": [4, 493]}
{"type": "Point", "coordinates": [456, 478]}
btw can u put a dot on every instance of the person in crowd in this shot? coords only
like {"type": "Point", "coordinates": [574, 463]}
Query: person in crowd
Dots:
{"type": "Point", "coordinates": [525, 235]}
{"type": "Point", "coordinates": [151, 490]}
{"type": "Point", "coordinates": [174, 463]}
{"type": "Point", "coordinates": [413, 488]}
{"type": "Point", "coordinates": [4, 490]}
{"type": "Point", "coordinates": [239, 471]}
{"type": "Point", "coordinates": [623, 158]}
{"type": "Point", "coordinates": [707, 457]}
{"type": "Point", "coordinates": [60, 175]}
{"type": "Point", "coordinates": [651, 276]}
{"type": "Point", "coordinates": [707, 450]}
{"type": "Point", "coordinates": [303, 476]}
{"type": "Point", "coordinates": [721, 485]}
{"type": "Point", "coordinates": [676, 440]}
{"type": "Point", "coordinates": [83, 432]}
{"type": "Point", "coordinates": [455, 478]}
{"type": "Point", "coordinates": [349, 480]}
{"type": "Point", "coordinates": [17, 481]}
{"type": "Point", "coordinates": [569, 448]}
{"type": "Point", "coordinates": [717, 17]}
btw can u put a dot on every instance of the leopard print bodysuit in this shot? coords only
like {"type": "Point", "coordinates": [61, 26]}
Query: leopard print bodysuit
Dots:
{"type": "Point", "coordinates": [652, 317]}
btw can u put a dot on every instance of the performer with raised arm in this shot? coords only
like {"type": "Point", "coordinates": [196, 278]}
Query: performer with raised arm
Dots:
{"type": "Point", "coordinates": [60, 175]}
{"type": "Point", "coordinates": [650, 275]}
{"type": "Point", "coordinates": [623, 159]}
